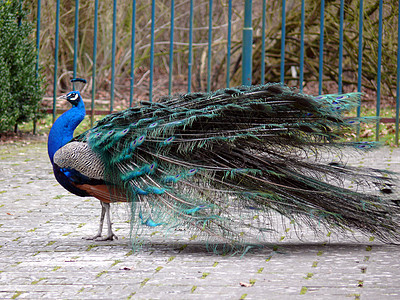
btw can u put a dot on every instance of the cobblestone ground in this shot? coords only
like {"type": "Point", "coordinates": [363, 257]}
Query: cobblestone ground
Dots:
{"type": "Point", "coordinates": [43, 255]}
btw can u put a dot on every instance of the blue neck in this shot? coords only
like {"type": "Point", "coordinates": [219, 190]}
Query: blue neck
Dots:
{"type": "Point", "coordinates": [63, 128]}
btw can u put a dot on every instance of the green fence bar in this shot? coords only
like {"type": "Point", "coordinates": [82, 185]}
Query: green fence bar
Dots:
{"type": "Point", "coordinates": [56, 61]}
{"type": "Point", "coordinates": [190, 58]}
{"type": "Point", "coordinates": [210, 5]}
{"type": "Point", "coordinates": [76, 40]}
{"type": "Point", "coordinates": [114, 37]}
{"type": "Point", "coordinates": [247, 44]}
{"type": "Point", "coordinates": [262, 81]}
{"type": "Point", "coordinates": [321, 48]}
{"type": "Point", "coordinates": [171, 47]}
{"type": "Point", "coordinates": [283, 41]}
{"type": "Point", "coordinates": [153, 18]}
{"type": "Point", "coordinates": [228, 45]}
{"type": "Point", "coordinates": [19, 17]}
{"type": "Point", "coordinates": [340, 84]}
{"type": "Point", "coordinates": [379, 71]}
{"type": "Point", "coordinates": [37, 51]}
{"type": "Point", "coordinates": [360, 45]}
{"type": "Point", "coordinates": [132, 74]}
{"type": "Point", "coordinates": [95, 25]}
{"type": "Point", "coordinates": [38, 36]}
{"type": "Point", "coordinates": [301, 78]}
{"type": "Point", "coordinates": [398, 82]}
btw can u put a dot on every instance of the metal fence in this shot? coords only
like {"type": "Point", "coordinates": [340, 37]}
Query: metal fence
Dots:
{"type": "Point", "coordinates": [248, 48]}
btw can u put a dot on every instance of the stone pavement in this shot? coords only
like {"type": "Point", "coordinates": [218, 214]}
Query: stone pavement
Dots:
{"type": "Point", "coordinates": [43, 255]}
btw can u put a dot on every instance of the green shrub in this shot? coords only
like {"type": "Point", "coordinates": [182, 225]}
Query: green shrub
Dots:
{"type": "Point", "coordinates": [21, 88]}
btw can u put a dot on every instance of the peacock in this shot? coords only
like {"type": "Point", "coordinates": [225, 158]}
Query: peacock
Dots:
{"type": "Point", "coordinates": [224, 163]}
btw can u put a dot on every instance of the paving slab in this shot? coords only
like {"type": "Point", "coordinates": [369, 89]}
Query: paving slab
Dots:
{"type": "Point", "coordinates": [43, 255]}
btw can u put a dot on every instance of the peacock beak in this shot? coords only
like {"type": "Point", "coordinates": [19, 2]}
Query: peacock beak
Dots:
{"type": "Point", "coordinates": [62, 97]}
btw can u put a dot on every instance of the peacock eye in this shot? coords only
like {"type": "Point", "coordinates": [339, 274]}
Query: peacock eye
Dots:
{"type": "Point", "coordinates": [192, 171]}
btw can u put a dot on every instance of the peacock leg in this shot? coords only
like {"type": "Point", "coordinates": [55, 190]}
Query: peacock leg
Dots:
{"type": "Point", "coordinates": [105, 211]}
{"type": "Point", "coordinates": [110, 234]}
{"type": "Point", "coordinates": [98, 234]}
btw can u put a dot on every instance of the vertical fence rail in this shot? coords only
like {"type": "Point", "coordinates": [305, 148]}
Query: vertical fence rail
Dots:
{"type": "Point", "coordinates": [264, 12]}
{"type": "Point", "coordinates": [19, 17]}
{"type": "Point", "coordinates": [190, 58]}
{"type": "Point", "coordinates": [360, 52]}
{"type": "Point", "coordinates": [359, 76]}
{"type": "Point", "coordinates": [171, 48]}
{"type": "Point", "coordinates": [153, 18]}
{"type": "Point", "coordinates": [379, 69]}
{"type": "Point", "coordinates": [340, 84]}
{"type": "Point", "coordinates": [228, 44]}
{"type": "Point", "coordinates": [76, 39]}
{"type": "Point", "coordinates": [132, 74]}
{"type": "Point", "coordinates": [301, 79]}
{"type": "Point", "coordinates": [95, 25]}
{"type": "Point", "coordinates": [398, 82]}
{"type": "Point", "coordinates": [283, 36]}
{"type": "Point", "coordinates": [56, 60]}
{"type": "Point", "coordinates": [38, 36]}
{"type": "Point", "coordinates": [114, 33]}
{"type": "Point", "coordinates": [210, 12]}
{"type": "Point", "coordinates": [247, 44]}
{"type": "Point", "coordinates": [37, 51]}
{"type": "Point", "coordinates": [321, 48]}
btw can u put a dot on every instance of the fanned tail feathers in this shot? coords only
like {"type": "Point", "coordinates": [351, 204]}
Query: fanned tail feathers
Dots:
{"type": "Point", "coordinates": [222, 162]}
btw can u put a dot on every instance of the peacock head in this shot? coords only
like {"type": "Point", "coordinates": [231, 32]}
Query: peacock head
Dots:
{"type": "Point", "coordinates": [73, 97]}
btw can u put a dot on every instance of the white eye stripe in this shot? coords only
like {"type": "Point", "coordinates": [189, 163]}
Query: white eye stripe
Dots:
{"type": "Point", "coordinates": [74, 96]}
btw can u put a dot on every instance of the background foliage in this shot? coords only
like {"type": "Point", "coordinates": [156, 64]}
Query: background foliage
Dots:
{"type": "Point", "coordinates": [21, 88]}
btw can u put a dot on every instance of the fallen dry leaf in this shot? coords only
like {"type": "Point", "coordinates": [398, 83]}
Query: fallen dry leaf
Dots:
{"type": "Point", "coordinates": [245, 284]}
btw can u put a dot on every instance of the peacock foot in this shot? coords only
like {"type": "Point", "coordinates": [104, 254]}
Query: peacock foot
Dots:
{"type": "Point", "coordinates": [95, 237]}
{"type": "Point", "coordinates": [98, 237]}
{"type": "Point", "coordinates": [109, 237]}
